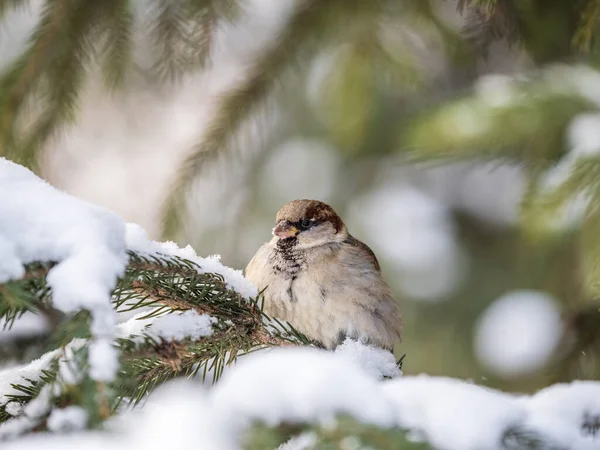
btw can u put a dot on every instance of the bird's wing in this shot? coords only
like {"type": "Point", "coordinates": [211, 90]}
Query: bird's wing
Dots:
{"type": "Point", "coordinates": [364, 249]}
{"type": "Point", "coordinates": [369, 292]}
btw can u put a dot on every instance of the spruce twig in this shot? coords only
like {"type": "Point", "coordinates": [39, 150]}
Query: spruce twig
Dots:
{"type": "Point", "coordinates": [162, 285]}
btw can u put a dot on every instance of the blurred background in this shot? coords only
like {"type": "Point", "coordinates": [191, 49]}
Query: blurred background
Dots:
{"type": "Point", "coordinates": [428, 125]}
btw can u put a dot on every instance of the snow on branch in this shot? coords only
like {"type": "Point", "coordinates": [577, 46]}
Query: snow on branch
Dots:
{"type": "Point", "coordinates": [136, 314]}
{"type": "Point", "coordinates": [138, 242]}
{"type": "Point", "coordinates": [314, 388]}
{"type": "Point", "coordinates": [62, 254]}
{"type": "Point", "coordinates": [40, 223]}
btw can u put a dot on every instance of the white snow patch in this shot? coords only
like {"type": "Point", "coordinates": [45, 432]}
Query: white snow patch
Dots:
{"type": "Point", "coordinates": [517, 334]}
{"type": "Point", "coordinates": [378, 363]}
{"type": "Point", "coordinates": [583, 140]}
{"type": "Point", "coordinates": [41, 223]}
{"type": "Point", "coordinates": [104, 361]}
{"type": "Point", "coordinates": [135, 326]}
{"type": "Point", "coordinates": [452, 414]}
{"type": "Point", "coordinates": [34, 410]}
{"type": "Point", "coordinates": [69, 370]}
{"type": "Point", "coordinates": [176, 326]}
{"type": "Point", "coordinates": [562, 412]}
{"type": "Point", "coordinates": [295, 385]}
{"type": "Point", "coordinates": [13, 408]}
{"type": "Point", "coordinates": [180, 325]}
{"type": "Point", "coordinates": [18, 374]}
{"type": "Point", "coordinates": [138, 241]}
{"type": "Point", "coordinates": [573, 404]}
{"type": "Point", "coordinates": [11, 267]}
{"type": "Point", "coordinates": [70, 418]}
{"type": "Point", "coordinates": [496, 90]}
{"type": "Point", "coordinates": [584, 135]}
{"type": "Point", "coordinates": [303, 384]}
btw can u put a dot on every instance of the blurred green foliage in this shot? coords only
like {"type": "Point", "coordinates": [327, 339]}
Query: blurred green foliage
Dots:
{"type": "Point", "coordinates": [397, 80]}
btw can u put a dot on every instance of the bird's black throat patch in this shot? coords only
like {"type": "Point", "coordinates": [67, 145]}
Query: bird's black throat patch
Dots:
{"type": "Point", "coordinates": [286, 245]}
{"type": "Point", "coordinates": [289, 257]}
{"type": "Point", "coordinates": [288, 261]}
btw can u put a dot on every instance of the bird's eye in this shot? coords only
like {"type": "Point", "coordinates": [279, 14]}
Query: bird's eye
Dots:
{"type": "Point", "coordinates": [305, 223]}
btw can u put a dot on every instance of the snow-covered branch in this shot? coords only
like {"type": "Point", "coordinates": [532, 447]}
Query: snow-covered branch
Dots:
{"type": "Point", "coordinates": [136, 313]}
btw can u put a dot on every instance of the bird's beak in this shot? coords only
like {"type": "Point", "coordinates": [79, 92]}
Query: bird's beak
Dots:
{"type": "Point", "coordinates": [285, 230]}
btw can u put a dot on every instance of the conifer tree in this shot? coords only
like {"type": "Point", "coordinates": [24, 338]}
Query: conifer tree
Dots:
{"type": "Point", "coordinates": [540, 119]}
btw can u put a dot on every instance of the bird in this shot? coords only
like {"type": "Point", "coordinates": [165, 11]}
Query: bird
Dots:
{"type": "Point", "coordinates": [324, 282]}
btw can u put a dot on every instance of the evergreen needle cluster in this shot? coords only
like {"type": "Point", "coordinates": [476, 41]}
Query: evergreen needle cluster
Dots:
{"type": "Point", "coordinates": [155, 286]}
{"type": "Point", "coordinates": [541, 120]}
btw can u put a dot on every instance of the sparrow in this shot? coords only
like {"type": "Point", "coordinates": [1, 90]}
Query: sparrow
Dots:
{"type": "Point", "coordinates": [323, 281]}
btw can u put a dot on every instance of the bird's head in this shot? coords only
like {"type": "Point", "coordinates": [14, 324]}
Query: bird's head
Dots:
{"type": "Point", "coordinates": [308, 223]}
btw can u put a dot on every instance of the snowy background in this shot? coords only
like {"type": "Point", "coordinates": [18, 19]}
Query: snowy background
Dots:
{"type": "Point", "coordinates": [291, 385]}
{"type": "Point", "coordinates": [479, 304]}
{"type": "Point", "coordinates": [272, 387]}
{"type": "Point", "coordinates": [445, 235]}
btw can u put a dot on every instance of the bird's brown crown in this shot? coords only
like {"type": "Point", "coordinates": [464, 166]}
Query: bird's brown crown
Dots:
{"type": "Point", "coordinates": [297, 210]}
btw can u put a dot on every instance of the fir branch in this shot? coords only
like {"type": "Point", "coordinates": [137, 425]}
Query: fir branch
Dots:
{"type": "Point", "coordinates": [30, 293]}
{"type": "Point", "coordinates": [28, 390]}
{"type": "Point", "coordinates": [545, 202]}
{"type": "Point", "coordinates": [116, 50]}
{"type": "Point", "coordinates": [170, 37]}
{"type": "Point", "coordinates": [205, 16]}
{"type": "Point", "coordinates": [543, 207]}
{"type": "Point", "coordinates": [52, 68]}
{"type": "Point", "coordinates": [18, 79]}
{"type": "Point", "coordinates": [174, 284]}
{"type": "Point", "coordinates": [536, 112]}
{"type": "Point", "coordinates": [181, 34]}
{"type": "Point", "coordinates": [166, 284]}
{"type": "Point", "coordinates": [39, 91]}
